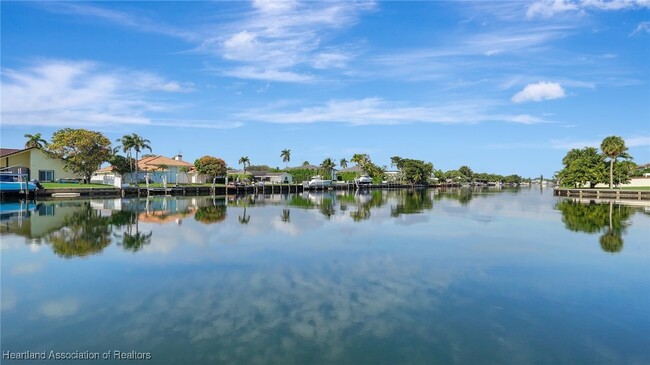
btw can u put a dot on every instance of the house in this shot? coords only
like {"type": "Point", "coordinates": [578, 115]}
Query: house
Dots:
{"type": "Point", "coordinates": [272, 177]}
{"type": "Point", "coordinates": [158, 169]}
{"type": "Point", "coordinates": [34, 162]}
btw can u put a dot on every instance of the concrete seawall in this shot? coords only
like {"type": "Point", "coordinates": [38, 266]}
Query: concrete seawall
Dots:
{"type": "Point", "coordinates": [606, 194]}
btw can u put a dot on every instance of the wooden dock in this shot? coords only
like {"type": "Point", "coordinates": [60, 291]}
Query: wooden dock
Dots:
{"type": "Point", "coordinates": [605, 194]}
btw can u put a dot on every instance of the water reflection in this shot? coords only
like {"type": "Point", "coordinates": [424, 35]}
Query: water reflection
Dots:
{"type": "Point", "coordinates": [85, 232]}
{"type": "Point", "coordinates": [609, 218]}
{"type": "Point", "coordinates": [333, 277]}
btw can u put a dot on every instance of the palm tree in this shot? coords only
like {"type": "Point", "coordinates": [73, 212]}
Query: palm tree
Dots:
{"type": "Point", "coordinates": [139, 144]}
{"type": "Point", "coordinates": [286, 156]}
{"type": "Point", "coordinates": [612, 147]}
{"type": "Point", "coordinates": [344, 163]}
{"type": "Point", "coordinates": [244, 160]}
{"type": "Point", "coordinates": [127, 146]}
{"type": "Point", "coordinates": [35, 140]}
{"type": "Point", "coordinates": [245, 218]}
{"type": "Point", "coordinates": [327, 166]}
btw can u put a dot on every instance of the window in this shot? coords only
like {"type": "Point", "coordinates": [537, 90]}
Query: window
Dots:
{"type": "Point", "coordinates": [45, 175]}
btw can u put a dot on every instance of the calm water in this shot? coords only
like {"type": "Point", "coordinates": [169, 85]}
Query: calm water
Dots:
{"type": "Point", "coordinates": [393, 277]}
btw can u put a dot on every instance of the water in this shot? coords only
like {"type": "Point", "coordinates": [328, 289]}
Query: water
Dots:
{"type": "Point", "coordinates": [393, 277]}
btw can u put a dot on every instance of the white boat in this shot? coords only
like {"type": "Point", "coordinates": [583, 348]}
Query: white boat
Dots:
{"type": "Point", "coordinates": [15, 183]}
{"type": "Point", "coordinates": [318, 182]}
{"type": "Point", "coordinates": [363, 180]}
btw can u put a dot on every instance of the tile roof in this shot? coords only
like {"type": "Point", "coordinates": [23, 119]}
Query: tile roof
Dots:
{"type": "Point", "coordinates": [153, 162]}
{"type": "Point", "coordinates": [9, 151]}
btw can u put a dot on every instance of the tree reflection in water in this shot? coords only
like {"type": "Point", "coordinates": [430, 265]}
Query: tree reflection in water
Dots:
{"type": "Point", "coordinates": [595, 218]}
{"type": "Point", "coordinates": [214, 212]}
{"type": "Point", "coordinates": [411, 202]}
{"type": "Point", "coordinates": [286, 215]}
{"type": "Point", "coordinates": [84, 232]}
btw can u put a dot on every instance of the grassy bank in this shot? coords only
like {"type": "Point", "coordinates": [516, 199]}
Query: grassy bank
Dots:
{"type": "Point", "coordinates": [75, 186]}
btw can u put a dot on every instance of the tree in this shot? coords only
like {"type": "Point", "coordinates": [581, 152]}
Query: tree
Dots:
{"type": "Point", "coordinates": [210, 166]}
{"type": "Point", "coordinates": [244, 160]}
{"type": "Point", "coordinates": [613, 147]}
{"type": "Point", "coordinates": [623, 171]}
{"type": "Point", "coordinates": [343, 163]}
{"type": "Point", "coordinates": [184, 170]}
{"type": "Point", "coordinates": [582, 166]}
{"type": "Point", "coordinates": [81, 150]}
{"type": "Point", "coordinates": [35, 140]}
{"type": "Point", "coordinates": [360, 159]}
{"type": "Point", "coordinates": [306, 163]}
{"type": "Point", "coordinates": [139, 144]}
{"type": "Point", "coordinates": [327, 166]}
{"type": "Point", "coordinates": [467, 172]}
{"type": "Point", "coordinates": [415, 171]}
{"type": "Point", "coordinates": [121, 165]}
{"type": "Point", "coordinates": [127, 146]}
{"type": "Point", "coordinates": [286, 156]}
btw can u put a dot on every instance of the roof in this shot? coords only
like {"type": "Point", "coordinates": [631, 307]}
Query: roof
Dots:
{"type": "Point", "coordinates": [266, 173]}
{"type": "Point", "coordinates": [11, 151]}
{"type": "Point", "coordinates": [351, 169]}
{"type": "Point", "coordinates": [308, 167]}
{"type": "Point", "coordinates": [153, 163]}
{"type": "Point", "coordinates": [106, 169]}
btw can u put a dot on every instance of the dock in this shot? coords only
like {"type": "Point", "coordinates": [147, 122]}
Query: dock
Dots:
{"type": "Point", "coordinates": [603, 194]}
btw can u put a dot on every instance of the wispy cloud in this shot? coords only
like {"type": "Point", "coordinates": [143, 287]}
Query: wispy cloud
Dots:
{"type": "Point", "coordinates": [549, 8]}
{"type": "Point", "coordinates": [275, 39]}
{"type": "Point", "coordinates": [643, 27]}
{"type": "Point", "coordinates": [539, 91]}
{"type": "Point", "coordinates": [140, 23]}
{"type": "Point", "coordinates": [376, 111]}
{"type": "Point", "coordinates": [62, 93]}
{"type": "Point", "coordinates": [567, 144]}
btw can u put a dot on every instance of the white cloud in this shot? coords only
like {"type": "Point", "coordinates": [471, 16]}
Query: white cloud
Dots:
{"type": "Point", "coordinates": [249, 72]}
{"type": "Point", "coordinates": [375, 111]}
{"type": "Point", "coordinates": [270, 42]}
{"type": "Point", "coordinates": [81, 93]}
{"type": "Point", "coordinates": [549, 8]}
{"type": "Point", "coordinates": [60, 308]}
{"type": "Point", "coordinates": [140, 23]}
{"type": "Point", "coordinates": [643, 27]}
{"type": "Point", "coordinates": [630, 141]}
{"type": "Point", "coordinates": [538, 92]}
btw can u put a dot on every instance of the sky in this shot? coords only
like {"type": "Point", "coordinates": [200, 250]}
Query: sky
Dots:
{"type": "Point", "coordinates": [502, 87]}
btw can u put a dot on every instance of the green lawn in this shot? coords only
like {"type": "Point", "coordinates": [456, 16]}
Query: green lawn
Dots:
{"type": "Point", "coordinates": [50, 185]}
{"type": "Point", "coordinates": [644, 188]}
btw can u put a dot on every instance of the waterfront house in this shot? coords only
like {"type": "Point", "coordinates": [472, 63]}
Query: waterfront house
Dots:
{"type": "Point", "coordinates": [35, 163]}
{"type": "Point", "coordinates": [157, 168]}
{"type": "Point", "coordinates": [272, 177]}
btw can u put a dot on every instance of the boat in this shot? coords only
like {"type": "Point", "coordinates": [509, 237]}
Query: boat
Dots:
{"type": "Point", "coordinates": [65, 195]}
{"type": "Point", "coordinates": [15, 183]}
{"type": "Point", "coordinates": [318, 182]}
{"type": "Point", "coordinates": [363, 180]}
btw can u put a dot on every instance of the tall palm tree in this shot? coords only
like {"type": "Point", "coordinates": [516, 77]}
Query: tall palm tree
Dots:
{"type": "Point", "coordinates": [127, 146]}
{"type": "Point", "coordinates": [343, 163]}
{"type": "Point", "coordinates": [327, 166]}
{"type": "Point", "coordinates": [35, 140]}
{"type": "Point", "coordinates": [139, 144]}
{"type": "Point", "coordinates": [286, 156]}
{"type": "Point", "coordinates": [244, 160]}
{"type": "Point", "coordinates": [612, 147]}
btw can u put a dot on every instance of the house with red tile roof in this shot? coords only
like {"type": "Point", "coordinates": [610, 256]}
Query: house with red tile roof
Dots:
{"type": "Point", "coordinates": [157, 169]}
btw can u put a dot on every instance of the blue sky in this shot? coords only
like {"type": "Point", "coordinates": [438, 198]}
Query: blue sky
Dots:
{"type": "Point", "coordinates": [503, 87]}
